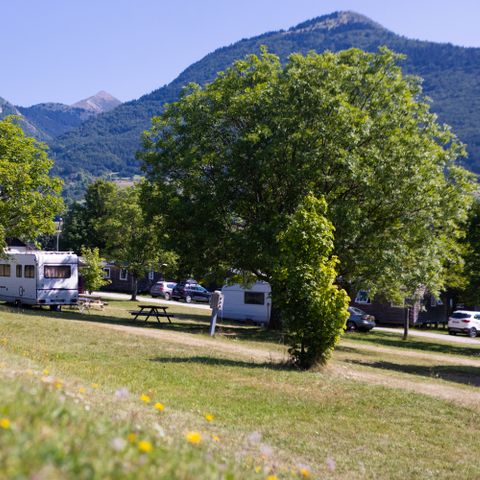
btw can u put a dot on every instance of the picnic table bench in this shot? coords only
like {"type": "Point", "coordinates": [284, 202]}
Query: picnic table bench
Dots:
{"type": "Point", "coordinates": [156, 311]}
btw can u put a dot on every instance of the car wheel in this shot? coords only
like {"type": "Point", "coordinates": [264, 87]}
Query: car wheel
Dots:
{"type": "Point", "coordinates": [473, 332]}
{"type": "Point", "coordinates": [167, 296]}
{"type": "Point", "coordinates": [351, 326]}
{"type": "Point", "coordinates": [452, 333]}
{"type": "Point", "coordinates": [188, 299]}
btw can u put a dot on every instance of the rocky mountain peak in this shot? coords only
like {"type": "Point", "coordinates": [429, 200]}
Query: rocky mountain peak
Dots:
{"type": "Point", "coordinates": [98, 103]}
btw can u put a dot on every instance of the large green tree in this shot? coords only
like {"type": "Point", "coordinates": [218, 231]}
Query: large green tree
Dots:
{"type": "Point", "coordinates": [229, 163]}
{"type": "Point", "coordinates": [29, 197]}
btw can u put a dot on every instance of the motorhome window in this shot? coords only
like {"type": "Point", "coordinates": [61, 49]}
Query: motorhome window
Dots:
{"type": "Point", "coordinates": [4, 270]}
{"type": "Point", "coordinates": [106, 273]}
{"type": "Point", "coordinates": [57, 271]}
{"type": "Point", "coordinates": [19, 271]}
{"type": "Point", "coordinates": [29, 271]}
{"type": "Point", "coordinates": [255, 298]}
{"type": "Point", "coordinates": [123, 274]}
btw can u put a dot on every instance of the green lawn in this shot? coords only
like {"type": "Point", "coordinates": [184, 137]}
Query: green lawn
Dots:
{"type": "Point", "coordinates": [71, 389]}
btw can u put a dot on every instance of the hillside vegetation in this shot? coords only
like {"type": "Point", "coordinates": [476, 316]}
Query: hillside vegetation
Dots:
{"type": "Point", "coordinates": [451, 78]}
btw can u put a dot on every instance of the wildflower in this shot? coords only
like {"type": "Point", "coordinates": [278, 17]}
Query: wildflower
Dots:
{"type": "Point", "coordinates": [5, 423]}
{"type": "Point", "coordinates": [304, 472]}
{"type": "Point", "coordinates": [46, 372]}
{"type": "Point", "coordinates": [131, 437]}
{"type": "Point", "coordinates": [272, 477]}
{"type": "Point", "coordinates": [58, 384]}
{"type": "Point", "coordinates": [118, 444]}
{"type": "Point", "coordinates": [145, 446]}
{"type": "Point", "coordinates": [94, 385]}
{"type": "Point", "coordinates": [258, 469]}
{"type": "Point", "coordinates": [209, 417]}
{"type": "Point", "coordinates": [81, 390]}
{"type": "Point", "coordinates": [193, 437]}
{"type": "Point", "coordinates": [331, 464]}
{"type": "Point", "coordinates": [145, 398]}
{"type": "Point", "coordinates": [215, 438]}
{"type": "Point", "coordinates": [122, 393]}
{"type": "Point", "coordinates": [159, 406]}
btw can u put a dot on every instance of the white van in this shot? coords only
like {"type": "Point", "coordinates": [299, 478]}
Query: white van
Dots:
{"type": "Point", "coordinates": [464, 321]}
{"type": "Point", "coordinates": [35, 277]}
{"type": "Point", "coordinates": [251, 303]}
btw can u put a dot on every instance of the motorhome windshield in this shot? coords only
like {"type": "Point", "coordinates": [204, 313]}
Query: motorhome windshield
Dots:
{"type": "Point", "coordinates": [57, 271]}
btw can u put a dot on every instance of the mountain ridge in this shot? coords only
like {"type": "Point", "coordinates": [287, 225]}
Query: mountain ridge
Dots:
{"type": "Point", "coordinates": [451, 76]}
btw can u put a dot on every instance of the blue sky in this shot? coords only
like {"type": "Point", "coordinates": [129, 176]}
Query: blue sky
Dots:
{"type": "Point", "coordinates": [66, 50]}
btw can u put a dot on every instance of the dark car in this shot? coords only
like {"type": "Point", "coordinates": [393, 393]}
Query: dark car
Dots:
{"type": "Point", "coordinates": [162, 289]}
{"type": "Point", "coordinates": [359, 320]}
{"type": "Point", "coordinates": [190, 291]}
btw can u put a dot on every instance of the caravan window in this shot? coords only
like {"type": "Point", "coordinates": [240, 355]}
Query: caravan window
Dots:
{"type": "Point", "coordinates": [4, 270]}
{"type": "Point", "coordinates": [57, 271]}
{"type": "Point", "coordinates": [29, 271]}
{"type": "Point", "coordinates": [255, 298]}
{"type": "Point", "coordinates": [19, 271]}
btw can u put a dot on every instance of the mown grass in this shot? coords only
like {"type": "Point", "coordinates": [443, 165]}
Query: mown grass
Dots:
{"type": "Point", "coordinates": [267, 416]}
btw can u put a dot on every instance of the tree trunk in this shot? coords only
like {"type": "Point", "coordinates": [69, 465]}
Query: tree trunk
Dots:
{"type": "Point", "coordinates": [134, 288]}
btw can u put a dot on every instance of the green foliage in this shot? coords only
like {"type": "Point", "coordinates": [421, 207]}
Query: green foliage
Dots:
{"type": "Point", "coordinates": [92, 272]}
{"type": "Point", "coordinates": [450, 73]}
{"type": "Point", "coordinates": [230, 162]}
{"type": "Point", "coordinates": [29, 197]}
{"type": "Point", "coordinates": [314, 309]}
{"type": "Point", "coordinates": [469, 292]}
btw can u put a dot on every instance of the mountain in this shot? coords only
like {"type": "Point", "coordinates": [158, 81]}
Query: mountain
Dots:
{"type": "Point", "coordinates": [6, 108]}
{"type": "Point", "coordinates": [99, 103]}
{"type": "Point", "coordinates": [55, 119]}
{"type": "Point", "coordinates": [451, 76]}
{"type": "Point", "coordinates": [45, 121]}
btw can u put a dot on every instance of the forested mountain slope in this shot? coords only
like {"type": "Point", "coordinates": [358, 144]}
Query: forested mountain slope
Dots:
{"type": "Point", "coordinates": [451, 76]}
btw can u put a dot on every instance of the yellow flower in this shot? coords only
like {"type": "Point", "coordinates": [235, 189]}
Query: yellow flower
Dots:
{"type": "Point", "coordinates": [272, 477]}
{"type": "Point", "coordinates": [46, 372]}
{"type": "Point", "coordinates": [145, 446]}
{"type": "Point", "coordinates": [4, 423]}
{"type": "Point", "coordinates": [215, 438]}
{"type": "Point", "coordinates": [145, 398]}
{"type": "Point", "coordinates": [58, 384]}
{"type": "Point", "coordinates": [131, 437]}
{"type": "Point", "coordinates": [209, 417]}
{"type": "Point", "coordinates": [159, 406]}
{"type": "Point", "coordinates": [95, 385]}
{"type": "Point", "coordinates": [193, 437]}
{"type": "Point", "coordinates": [81, 390]}
{"type": "Point", "coordinates": [305, 473]}
{"type": "Point", "coordinates": [258, 469]}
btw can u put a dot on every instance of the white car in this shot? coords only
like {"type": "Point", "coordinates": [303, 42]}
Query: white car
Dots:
{"type": "Point", "coordinates": [464, 321]}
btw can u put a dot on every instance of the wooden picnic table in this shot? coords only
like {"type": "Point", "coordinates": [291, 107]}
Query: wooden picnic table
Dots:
{"type": "Point", "coordinates": [147, 311]}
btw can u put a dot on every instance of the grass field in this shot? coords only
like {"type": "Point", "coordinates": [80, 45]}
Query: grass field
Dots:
{"type": "Point", "coordinates": [95, 396]}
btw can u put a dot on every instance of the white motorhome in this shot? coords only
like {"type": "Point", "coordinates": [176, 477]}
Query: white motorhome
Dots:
{"type": "Point", "coordinates": [35, 277]}
{"type": "Point", "coordinates": [252, 303]}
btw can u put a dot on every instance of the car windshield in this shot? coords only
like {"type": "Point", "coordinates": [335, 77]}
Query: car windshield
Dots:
{"type": "Point", "coordinates": [460, 315]}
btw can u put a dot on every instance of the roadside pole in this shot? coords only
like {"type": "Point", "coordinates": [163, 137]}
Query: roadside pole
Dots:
{"type": "Point", "coordinates": [216, 303]}
{"type": "Point", "coordinates": [406, 323]}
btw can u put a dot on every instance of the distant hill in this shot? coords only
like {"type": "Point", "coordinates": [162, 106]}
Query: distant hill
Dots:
{"type": "Point", "coordinates": [99, 103]}
{"type": "Point", "coordinates": [451, 75]}
{"type": "Point", "coordinates": [45, 121]}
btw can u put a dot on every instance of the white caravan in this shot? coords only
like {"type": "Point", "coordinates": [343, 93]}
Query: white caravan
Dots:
{"type": "Point", "coordinates": [252, 303]}
{"type": "Point", "coordinates": [35, 277]}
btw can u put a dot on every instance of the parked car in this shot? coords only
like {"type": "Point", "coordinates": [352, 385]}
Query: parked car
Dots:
{"type": "Point", "coordinates": [190, 291]}
{"type": "Point", "coordinates": [464, 321]}
{"type": "Point", "coordinates": [162, 289]}
{"type": "Point", "coordinates": [359, 320]}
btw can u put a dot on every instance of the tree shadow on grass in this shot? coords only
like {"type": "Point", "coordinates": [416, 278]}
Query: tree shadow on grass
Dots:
{"type": "Point", "coordinates": [224, 362]}
{"type": "Point", "coordinates": [452, 373]}
{"type": "Point", "coordinates": [385, 339]}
